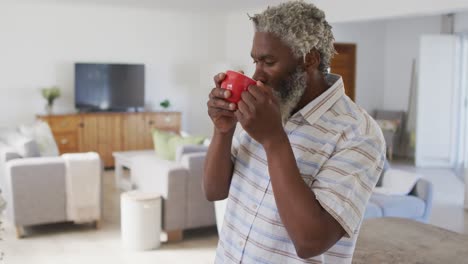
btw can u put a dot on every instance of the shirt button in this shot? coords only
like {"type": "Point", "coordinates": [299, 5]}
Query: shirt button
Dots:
{"type": "Point", "coordinates": [241, 243]}
{"type": "Point", "coordinates": [254, 207]}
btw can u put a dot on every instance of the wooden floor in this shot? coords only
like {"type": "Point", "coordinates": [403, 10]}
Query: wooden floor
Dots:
{"type": "Point", "coordinates": [70, 244]}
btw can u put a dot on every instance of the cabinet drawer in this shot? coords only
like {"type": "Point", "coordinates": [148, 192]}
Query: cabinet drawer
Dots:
{"type": "Point", "coordinates": [64, 124]}
{"type": "Point", "coordinates": [66, 142]}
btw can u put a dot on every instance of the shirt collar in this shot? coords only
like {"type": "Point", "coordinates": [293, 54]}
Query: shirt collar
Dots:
{"type": "Point", "coordinates": [317, 107]}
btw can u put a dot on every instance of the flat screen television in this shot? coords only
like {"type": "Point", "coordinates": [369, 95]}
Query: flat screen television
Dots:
{"type": "Point", "coordinates": [109, 87]}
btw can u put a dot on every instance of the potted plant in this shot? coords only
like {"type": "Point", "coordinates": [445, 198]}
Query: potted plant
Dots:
{"type": "Point", "coordinates": [50, 94]}
{"type": "Point", "coordinates": [165, 104]}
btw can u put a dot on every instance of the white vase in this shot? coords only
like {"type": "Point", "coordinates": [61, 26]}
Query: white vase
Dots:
{"type": "Point", "coordinates": [49, 109]}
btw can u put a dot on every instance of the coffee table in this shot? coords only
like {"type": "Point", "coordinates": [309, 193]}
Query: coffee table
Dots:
{"type": "Point", "coordinates": [398, 240]}
{"type": "Point", "coordinates": [123, 159]}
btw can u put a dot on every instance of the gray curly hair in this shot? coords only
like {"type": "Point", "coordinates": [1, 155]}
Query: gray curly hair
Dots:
{"type": "Point", "coordinates": [302, 27]}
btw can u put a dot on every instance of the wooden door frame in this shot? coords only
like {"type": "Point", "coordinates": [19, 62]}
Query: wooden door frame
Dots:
{"type": "Point", "coordinates": [350, 49]}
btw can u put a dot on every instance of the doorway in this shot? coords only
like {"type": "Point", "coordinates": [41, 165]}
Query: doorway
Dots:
{"type": "Point", "coordinates": [344, 64]}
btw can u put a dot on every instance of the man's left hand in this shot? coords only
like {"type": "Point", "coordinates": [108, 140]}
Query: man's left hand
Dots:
{"type": "Point", "coordinates": [259, 114]}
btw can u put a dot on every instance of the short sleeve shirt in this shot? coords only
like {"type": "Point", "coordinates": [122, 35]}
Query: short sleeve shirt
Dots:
{"type": "Point", "coordinates": [339, 150]}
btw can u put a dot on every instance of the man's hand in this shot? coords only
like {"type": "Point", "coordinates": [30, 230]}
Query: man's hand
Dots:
{"type": "Point", "coordinates": [259, 114]}
{"type": "Point", "coordinates": [221, 111]}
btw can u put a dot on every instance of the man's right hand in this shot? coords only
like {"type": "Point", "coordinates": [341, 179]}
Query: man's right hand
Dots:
{"type": "Point", "coordinates": [220, 110]}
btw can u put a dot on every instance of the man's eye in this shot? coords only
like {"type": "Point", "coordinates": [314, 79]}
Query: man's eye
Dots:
{"type": "Point", "coordinates": [267, 63]}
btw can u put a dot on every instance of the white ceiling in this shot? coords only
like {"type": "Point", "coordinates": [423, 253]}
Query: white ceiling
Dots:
{"type": "Point", "coordinates": [336, 10]}
{"type": "Point", "coordinates": [186, 5]}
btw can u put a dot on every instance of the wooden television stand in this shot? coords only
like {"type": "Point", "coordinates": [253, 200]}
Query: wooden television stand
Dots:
{"type": "Point", "coordinates": [107, 132]}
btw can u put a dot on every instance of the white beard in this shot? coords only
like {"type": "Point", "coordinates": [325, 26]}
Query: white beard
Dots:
{"type": "Point", "coordinates": [291, 93]}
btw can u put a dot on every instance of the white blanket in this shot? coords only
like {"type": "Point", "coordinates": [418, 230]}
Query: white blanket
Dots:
{"type": "Point", "coordinates": [83, 186]}
{"type": "Point", "coordinates": [397, 182]}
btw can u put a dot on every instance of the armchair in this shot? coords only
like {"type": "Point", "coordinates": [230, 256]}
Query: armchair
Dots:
{"type": "Point", "coordinates": [179, 182]}
{"type": "Point", "coordinates": [34, 187]}
{"type": "Point", "coordinates": [416, 205]}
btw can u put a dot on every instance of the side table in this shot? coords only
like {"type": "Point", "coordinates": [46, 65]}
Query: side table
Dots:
{"type": "Point", "coordinates": [123, 159]}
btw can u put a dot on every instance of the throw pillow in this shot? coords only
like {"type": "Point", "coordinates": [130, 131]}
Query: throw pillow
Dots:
{"type": "Point", "coordinates": [189, 149]}
{"type": "Point", "coordinates": [5, 132]}
{"type": "Point", "coordinates": [24, 146]}
{"type": "Point", "coordinates": [397, 182]}
{"type": "Point", "coordinates": [161, 143]}
{"type": "Point", "coordinates": [166, 143]}
{"type": "Point", "coordinates": [4, 148]}
{"type": "Point", "coordinates": [41, 133]}
{"type": "Point", "coordinates": [176, 142]}
{"type": "Point", "coordinates": [7, 153]}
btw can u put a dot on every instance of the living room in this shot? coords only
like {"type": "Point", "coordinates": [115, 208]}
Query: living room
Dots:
{"type": "Point", "coordinates": [182, 45]}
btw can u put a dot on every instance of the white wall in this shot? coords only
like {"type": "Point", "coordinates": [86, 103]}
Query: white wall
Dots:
{"type": "Point", "coordinates": [402, 40]}
{"type": "Point", "coordinates": [385, 52]}
{"type": "Point", "coordinates": [40, 43]}
{"type": "Point", "coordinates": [344, 11]}
{"type": "Point", "coordinates": [402, 47]}
{"type": "Point", "coordinates": [239, 36]}
{"type": "Point", "coordinates": [337, 11]}
{"type": "Point", "coordinates": [182, 51]}
{"type": "Point", "coordinates": [461, 22]}
{"type": "Point", "coordinates": [369, 38]}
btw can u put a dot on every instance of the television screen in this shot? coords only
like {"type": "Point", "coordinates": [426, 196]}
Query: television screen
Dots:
{"type": "Point", "coordinates": [109, 87]}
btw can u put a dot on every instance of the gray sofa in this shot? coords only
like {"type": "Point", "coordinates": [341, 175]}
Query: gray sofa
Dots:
{"type": "Point", "coordinates": [34, 187]}
{"type": "Point", "coordinates": [417, 205]}
{"type": "Point", "coordinates": [180, 184]}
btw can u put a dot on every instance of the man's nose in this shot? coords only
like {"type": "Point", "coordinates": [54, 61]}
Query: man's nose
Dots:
{"type": "Point", "coordinates": [259, 75]}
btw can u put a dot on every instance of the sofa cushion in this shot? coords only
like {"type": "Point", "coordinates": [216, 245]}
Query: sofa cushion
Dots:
{"type": "Point", "coordinates": [176, 142]}
{"type": "Point", "coordinates": [161, 143]}
{"type": "Point", "coordinates": [166, 143]}
{"type": "Point", "coordinates": [188, 149]}
{"type": "Point", "coordinates": [406, 206]}
{"type": "Point", "coordinates": [41, 133]}
{"type": "Point", "coordinates": [372, 211]}
{"type": "Point", "coordinates": [24, 146]}
{"type": "Point", "coordinates": [28, 148]}
{"type": "Point", "coordinates": [397, 182]}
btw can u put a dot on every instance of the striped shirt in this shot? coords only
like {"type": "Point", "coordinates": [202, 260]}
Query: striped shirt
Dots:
{"type": "Point", "coordinates": [339, 150]}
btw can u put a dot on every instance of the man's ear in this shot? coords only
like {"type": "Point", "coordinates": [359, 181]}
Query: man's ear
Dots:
{"type": "Point", "coordinates": [312, 60]}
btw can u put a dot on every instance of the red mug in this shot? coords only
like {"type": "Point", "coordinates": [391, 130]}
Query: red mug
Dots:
{"type": "Point", "coordinates": [236, 82]}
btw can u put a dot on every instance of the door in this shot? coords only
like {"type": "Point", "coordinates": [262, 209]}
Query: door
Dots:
{"type": "Point", "coordinates": [464, 117]}
{"type": "Point", "coordinates": [109, 137]}
{"type": "Point", "coordinates": [133, 134]}
{"type": "Point", "coordinates": [438, 101]}
{"type": "Point", "coordinates": [101, 133]}
{"type": "Point", "coordinates": [344, 64]}
{"type": "Point", "coordinates": [88, 134]}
